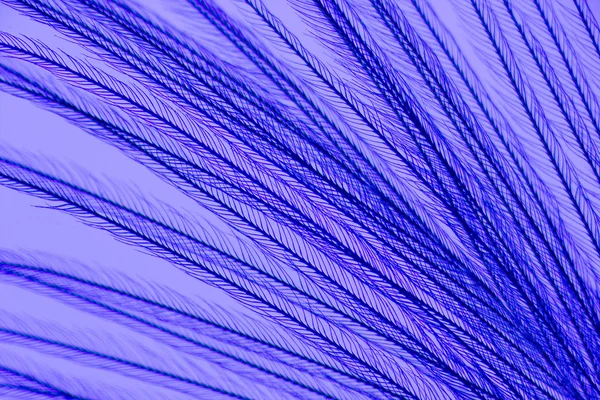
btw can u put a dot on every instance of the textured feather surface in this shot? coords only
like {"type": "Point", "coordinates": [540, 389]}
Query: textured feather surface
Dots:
{"type": "Point", "coordinates": [386, 198]}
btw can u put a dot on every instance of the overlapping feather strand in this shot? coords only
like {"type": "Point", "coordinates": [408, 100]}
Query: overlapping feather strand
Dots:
{"type": "Point", "coordinates": [403, 195]}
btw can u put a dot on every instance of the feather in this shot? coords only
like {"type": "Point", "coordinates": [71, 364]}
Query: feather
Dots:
{"type": "Point", "coordinates": [403, 211]}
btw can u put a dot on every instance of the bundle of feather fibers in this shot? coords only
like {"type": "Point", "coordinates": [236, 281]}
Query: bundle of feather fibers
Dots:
{"type": "Point", "coordinates": [368, 199]}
